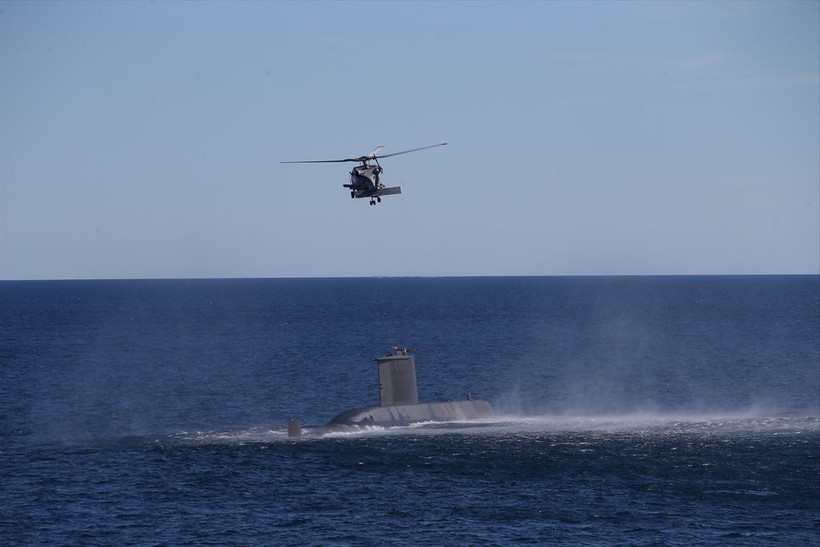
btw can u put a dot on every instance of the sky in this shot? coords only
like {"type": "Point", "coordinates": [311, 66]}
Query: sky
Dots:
{"type": "Point", "coordinates": [144, 139]}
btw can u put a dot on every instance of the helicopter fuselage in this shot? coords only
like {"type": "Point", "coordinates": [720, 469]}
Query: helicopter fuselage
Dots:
{"type": "Point", "coordinates": [365, 183]}
{"type": "Point", "coordinates": [364, 178]}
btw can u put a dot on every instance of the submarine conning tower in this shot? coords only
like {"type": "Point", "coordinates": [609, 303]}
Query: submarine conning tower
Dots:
{"type": "Point", "coordinates": [397, 379]}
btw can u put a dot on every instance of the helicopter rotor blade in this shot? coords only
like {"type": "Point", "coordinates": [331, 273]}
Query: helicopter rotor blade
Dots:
{"type": "Point", "coordinates": [323, 161]}
{"type": "Point", "coordinates": [405, 151]}
{"type": "Point", "coordinates": [371, 156]}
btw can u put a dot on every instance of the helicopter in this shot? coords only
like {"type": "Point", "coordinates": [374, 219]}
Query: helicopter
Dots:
{"type": "Point", "coordinates": [365, 178]}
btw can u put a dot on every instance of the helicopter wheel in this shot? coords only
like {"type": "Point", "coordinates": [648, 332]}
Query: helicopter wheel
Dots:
{"type": "Point", "coordinates": [352, 194]}
{"type": "Point", "coordinates": [379, 199]}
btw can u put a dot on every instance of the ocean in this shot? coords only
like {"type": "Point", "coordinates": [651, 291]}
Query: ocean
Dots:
{"type": "Point", "coordinates": [630, 411]}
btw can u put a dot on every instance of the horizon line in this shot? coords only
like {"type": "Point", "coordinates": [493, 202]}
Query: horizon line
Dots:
{"type": "Point", "coordinates": [240, 278]}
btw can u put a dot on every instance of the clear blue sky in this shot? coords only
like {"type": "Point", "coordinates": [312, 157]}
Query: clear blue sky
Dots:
{"type": "Point", "coordinates": [144, 139]}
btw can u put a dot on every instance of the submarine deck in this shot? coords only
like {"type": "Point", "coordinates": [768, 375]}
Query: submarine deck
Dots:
{"type": "Point", "coordinates": [400, 415]}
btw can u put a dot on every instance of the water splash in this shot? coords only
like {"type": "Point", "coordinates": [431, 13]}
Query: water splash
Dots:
{"type": "Point", "coordinates": [699, 425]}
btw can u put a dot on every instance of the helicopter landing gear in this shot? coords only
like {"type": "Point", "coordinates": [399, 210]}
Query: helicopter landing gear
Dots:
{"type": "Point", "coordinates": [352, 194]}
{"type": "Point", "coordinates": [375, 201]}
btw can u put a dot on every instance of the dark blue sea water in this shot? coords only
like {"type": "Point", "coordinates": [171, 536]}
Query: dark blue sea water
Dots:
{"type": "Point", "coordinates": [632, 411]}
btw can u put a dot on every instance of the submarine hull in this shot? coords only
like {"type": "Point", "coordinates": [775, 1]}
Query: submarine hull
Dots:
{"type": "Point", "coordinates": [400, 405]}
{"type": "Point", "coordinates": [401, 415]}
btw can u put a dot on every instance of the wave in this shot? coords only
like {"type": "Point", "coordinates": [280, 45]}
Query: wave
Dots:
{"type": "Point", "coordinates": [626, 424]}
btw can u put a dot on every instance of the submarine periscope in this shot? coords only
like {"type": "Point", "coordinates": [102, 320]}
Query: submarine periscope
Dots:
{"type": "Point", "coordinates": [399, 402]}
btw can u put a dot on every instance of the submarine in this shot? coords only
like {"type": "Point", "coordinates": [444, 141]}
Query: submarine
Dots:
{"type": "Point", "coordinates": [399, 402]}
